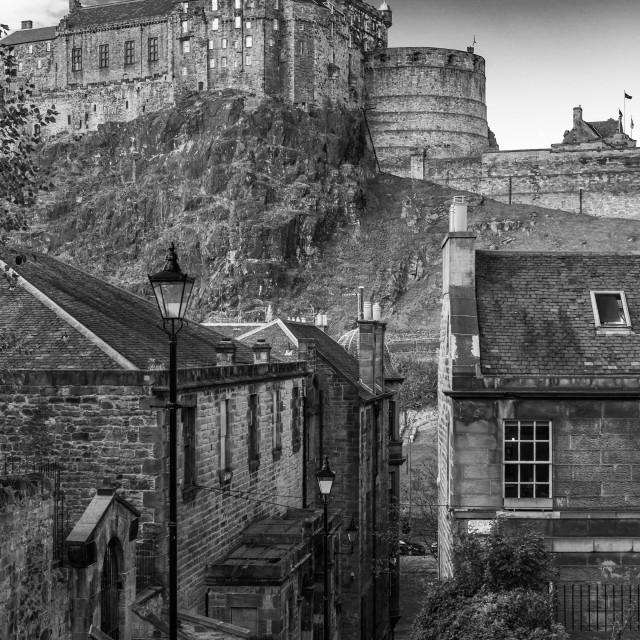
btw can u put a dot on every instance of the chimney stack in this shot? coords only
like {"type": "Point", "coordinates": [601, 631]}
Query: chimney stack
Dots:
{"type": "Point", "coordinates": [226, 353]}
{"type": "Point", "coordinates": [27, 24]}
{"type": "Point", "coordinates": [261, 352]}
{"type": "Point", "coordinates": [577, 116]}
{"type": "Point", "coordinates": [307, 352]}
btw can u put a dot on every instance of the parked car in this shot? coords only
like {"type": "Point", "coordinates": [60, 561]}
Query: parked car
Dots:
{"type": "Point", "coordinates": [406, 548]}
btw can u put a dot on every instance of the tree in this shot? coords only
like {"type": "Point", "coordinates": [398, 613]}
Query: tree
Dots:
{"type": "Point", "coordinates": [498, 591]}
{"type": "Point", "coordinates": [20, 124]}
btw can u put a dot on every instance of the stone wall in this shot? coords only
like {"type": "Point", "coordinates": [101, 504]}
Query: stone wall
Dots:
{"type": "Point", "coordinates": [595, 478]}
{"type": "Point", "coordinates": [603, 183]}
{"type": "Point", "coordinates": [34, 596]}
{"type": "Point", "coordinates": [426, 99]}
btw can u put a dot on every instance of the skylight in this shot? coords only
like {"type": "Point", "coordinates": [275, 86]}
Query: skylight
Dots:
{"type": "Point", "coordinates": [610, 309]}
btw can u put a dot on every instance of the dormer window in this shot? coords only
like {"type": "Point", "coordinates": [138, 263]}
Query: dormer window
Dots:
{"type": "Point", "coordinates": [610, 310]}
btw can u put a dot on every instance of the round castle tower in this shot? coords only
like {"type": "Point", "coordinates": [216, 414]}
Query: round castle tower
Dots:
{"type": "Point", "coordinates": [425, 103]}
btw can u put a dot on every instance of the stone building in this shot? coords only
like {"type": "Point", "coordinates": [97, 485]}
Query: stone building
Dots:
{"type": "Point", "coordinates": [114, 62]}
{"type": "Point", "coordinates": [84, 385]}
{"type": "Point", "coordinates": [539, 377]}
{"type": "Point", "coordinates": [351, 407]}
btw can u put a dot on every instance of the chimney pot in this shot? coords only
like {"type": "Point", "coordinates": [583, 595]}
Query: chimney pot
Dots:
{"type": "Point", "coordinates": [325, 320]}
{"type": "Point", "coordinates": [367, 311]}
{"type": "Point", "coordinates": [458, 214]}
{"type": "Point", "coordinates": [376, 312]}
{"type": "Point", "coordinates": [27, 24]}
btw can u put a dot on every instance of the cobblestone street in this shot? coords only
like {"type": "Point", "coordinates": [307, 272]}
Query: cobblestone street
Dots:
{"type": "Point", "coordinates": [415, 573]}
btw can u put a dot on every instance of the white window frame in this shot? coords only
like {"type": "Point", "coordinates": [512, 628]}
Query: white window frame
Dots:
{"type": "Point", "coordinates": [238, 22]}
{"type": "Point", "coordinates": [527, 502]}
{"type": "Point", "coordinates": [185, 26]}
{"type": "Point", "coordinates": [238, 4]}
{"type": "Point", "coordinates": [39, 63]}
{"type": "Point", "coordinates": [30, 48]}
{"type": "Point", "coordinates": [210, 45]}
{"type": "Point", "coordinates": [247, 60]}
{"type": "Point", "coordinates": [214, 5]}
{"type": "Point", "coordinates": [184, 71]}
{"type": "Point", "coordinates": [225, 43]}
{"type": "Point", "coordinates": [186, 46]}
{"type": "Point", "coordinates": [247, 24]}
{"type": "Point", "coordinates": [276, 24]}
{"type": "Point", "coordinates": [185, 7]}
{"type": "Point", "coordinates": [48, 45]}
{"type": "Point", "coordinates": [223, 62]}
{"type": "Point", "coordinates": [212, 63]}
{"type": "Point", "coordinates": [611, 327]}
{"type": "Point", "coordinates": [248, 42]}
{"type": "Point", "coordinates": [215, 25]}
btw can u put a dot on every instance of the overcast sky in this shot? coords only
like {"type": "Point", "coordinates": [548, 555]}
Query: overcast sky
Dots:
{"type": "Point", "coordinates": [543, 57]}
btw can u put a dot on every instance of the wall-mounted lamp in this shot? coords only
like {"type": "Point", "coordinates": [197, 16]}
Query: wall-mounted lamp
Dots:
{"type": "Point", "coordinates": [352, 536]}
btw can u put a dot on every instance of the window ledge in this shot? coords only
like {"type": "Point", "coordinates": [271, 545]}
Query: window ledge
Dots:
{"type": "Point", "coordinates": [613, 331]}
{"type": "Point", "coordinates": [528, 503]}
{"type": "Point", "coordinates": [277, 453]}
{"type": "Point", "coordinates": [225, 476]}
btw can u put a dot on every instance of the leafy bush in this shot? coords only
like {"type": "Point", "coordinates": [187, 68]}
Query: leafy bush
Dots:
{"type": "Point", "coordinates": [498, 592]}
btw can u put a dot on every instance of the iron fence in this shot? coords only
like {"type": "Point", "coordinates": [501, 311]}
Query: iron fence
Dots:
{"type": "Point", "coordinates": [597, 607]}
{"type": "Point", "coordinates": [14, 466]}
{"type": "Point", "coordinates": [145, 564]}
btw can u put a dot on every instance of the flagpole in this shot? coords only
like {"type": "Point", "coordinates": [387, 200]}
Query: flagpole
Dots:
{"type": "Point", "coordinates": [624, 103]}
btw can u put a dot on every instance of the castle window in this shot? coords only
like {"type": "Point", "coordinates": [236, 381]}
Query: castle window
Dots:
{"type": "Point", "coordinates": [238, 22]}
{"type": "Point", "coordinates": [76, 59]}
{"type": "Point", "coordinates": [184, 71]}
{"type": "Point", "coordinates": [248, 41]}
{"type": "Point", "coordinates": [210, 45]}
{"type": "Point", "coordinates": [126, 104]}
{"type": "Point", "coordinates": [235, 45]}
{"type": "Point", "coordinates": [247, 24]}
{"type": "Point", "coordinates": [186, 46]}
{"type": "Point", "coordinates": [94, 108]}
{"type": "Point", "coordinates": [277, 4]}
{"type": "Point", "coordinates": [214, 5]}
{"type": "Point", "coordinates": [225, 43]}
{"type": "Point", "coordinates": [185, 7]}
{"type": "Point", "coordinates": [276, 423]}
{"type": "Point", "coordinates": [610, 310]}
{"type": "Point", "coordinates": [276, 24]}
{"type": "Point", "coordinates": [223, 62]}
{"type": "Point", "coordinates": [238, 4]}
{"type": "Point", "coordinates": [189, 446]}
{"type": "Point", "coordinates": [301, 48]}
{"type": "Point", "coordinates": [68, 119]}
{"type": "Point", "coordinates": [48, 45]}
{"type": "Point", "coordinates": [215, 25]}
{"type": "Point", "coordinates": [212, 63]}
{"type": "Point", "coordinates": [103, 59]}
{"type": "Point", "coordinates": [527, 463]}
{"type": "Point", "coordinates": [30, 48]}
{"type": "Point", "coordinates": [153, 49]}
{"type": "Point", "coordinates": [235, 64]}
{"type": "Point", "coordinates": [247, 60]}
{"type": "Point", "coordinates": [253, 435]}
{"type": "Point", "coordinates": [295, 420]}
{"type": "Point", "coordinates": [36, 130]}
{"type": "Point", "coordinates": [185, 26]}
{"type": "Point", "coordinates": [129, 52]}
{"type": "Point", "coordinates": [225, 437]}
{"type": "Point", "coordinates": [39, 63]}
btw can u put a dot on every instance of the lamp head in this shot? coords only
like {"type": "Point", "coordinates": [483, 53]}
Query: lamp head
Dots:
{"type": "Point", "coordinates": [352, 531]}
{"type": "Point", "coordinates": [172, 288]}
{"type": "Point", "coordinates": [325, 478]}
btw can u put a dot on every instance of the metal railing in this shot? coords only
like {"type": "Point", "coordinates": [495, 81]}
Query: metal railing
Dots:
{"type": "Point", "coordinates": [597, 607]}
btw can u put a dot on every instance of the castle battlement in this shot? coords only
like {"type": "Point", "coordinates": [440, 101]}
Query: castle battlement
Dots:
{"type": "Point", "coordinates": [427, 56]}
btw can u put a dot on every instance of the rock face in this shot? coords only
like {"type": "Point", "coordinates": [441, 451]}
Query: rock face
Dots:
{"type": "Point", "coordinates": [271, 205]}
{"type": "Point", "coordinates": [246, 193]}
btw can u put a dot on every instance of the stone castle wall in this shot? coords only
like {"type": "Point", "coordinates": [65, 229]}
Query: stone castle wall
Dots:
{"type": "Point", "coordinates": [428, 101]}
{"type": "Point", "coordinates": [603, 183]}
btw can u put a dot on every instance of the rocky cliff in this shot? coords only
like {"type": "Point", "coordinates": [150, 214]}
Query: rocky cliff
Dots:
{"type": "Point", "coordinates": [268, 204]}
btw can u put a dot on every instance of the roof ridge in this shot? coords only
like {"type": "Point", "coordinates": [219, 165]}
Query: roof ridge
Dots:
{"type": "Point", "coordinates": [488, 252]}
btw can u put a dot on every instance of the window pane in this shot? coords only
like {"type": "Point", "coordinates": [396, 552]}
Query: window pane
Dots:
{"type": "Point", "coordinates": [510, 490]}
{"type": "Point", "coordinates": [526, 491]}
{"type": "Point", "coordinates": [542, 451]}
{"type": "Point", "coordinates": [526, 431]}
{"type": "Point", "coordinates": [526, 451]}
{"type": "Point", "coordinates": [510, 431]}
{"type": "Point", "coordinates": [511, 473]}
{"type": "Point", "coordinates": [526, 473]}
{"type": "Point", "coordinates": [542, 473]}
{"type": "Point", "coordinates": [542, 491]}
{"type": "Point", "coordinates": [610, 308]}
{"type": "Point", "coordinates": [510, 450]}
{"type": "Point", "coordinates": [542, 431]}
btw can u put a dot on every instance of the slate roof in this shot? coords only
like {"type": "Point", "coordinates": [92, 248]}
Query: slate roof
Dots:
{"type": "Point", "coordinates": [131, 10]}
{"type": "Point", "coordinates": [29, 35]}
{"type": "Point", "coordinates": [535, 314]}
{"type": "Point", "coordinates": [605, 128]}
{"type": "Point", "coordinates": [126, 322]}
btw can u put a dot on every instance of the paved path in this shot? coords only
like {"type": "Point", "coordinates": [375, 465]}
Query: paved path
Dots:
{"type": "Point", "coordinates": [415, 573]}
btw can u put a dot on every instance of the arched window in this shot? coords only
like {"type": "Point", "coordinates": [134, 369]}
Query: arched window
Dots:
{"type": "Point", "coordinates": [110, 588]}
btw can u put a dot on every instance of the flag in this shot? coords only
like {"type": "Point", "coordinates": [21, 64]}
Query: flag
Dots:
{"type": "Point", "coordinates": [619, 114]}
{"type": "Point", "coordinates": [627, 96]}
{"type": "Point", "coordinates": [631, 125]}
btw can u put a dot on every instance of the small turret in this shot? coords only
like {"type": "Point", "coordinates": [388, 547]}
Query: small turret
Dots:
{"type": "Point", "coordinates": [387, 16]}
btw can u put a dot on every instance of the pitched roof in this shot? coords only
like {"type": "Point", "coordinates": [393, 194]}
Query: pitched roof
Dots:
{"type": "Point", "coordinates": [605, 128]}
{"type": "Point", "coordinates": [105, 327]}
{"type": "Point", "coordinates": [29, 35]}
{"type": "Point", "coordinates": [536, 318]}
{"type": "Point", "coordinates": [101, 14]}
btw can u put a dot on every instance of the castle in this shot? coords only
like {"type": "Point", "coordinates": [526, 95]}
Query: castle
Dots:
{"type": "Point", "coordinates": [117, 61]}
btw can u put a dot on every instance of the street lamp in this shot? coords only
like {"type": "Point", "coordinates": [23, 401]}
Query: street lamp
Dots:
{"type": "Point", "coordinates": [172, 290]}
{"type": "Point", "coordinates": [325, 478]}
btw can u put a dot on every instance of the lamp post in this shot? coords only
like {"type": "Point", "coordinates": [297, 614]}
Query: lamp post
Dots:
{"type": "Point", "coordinates": [325, 479]}
{"type": "Point", "coordinates": [172, 290]}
